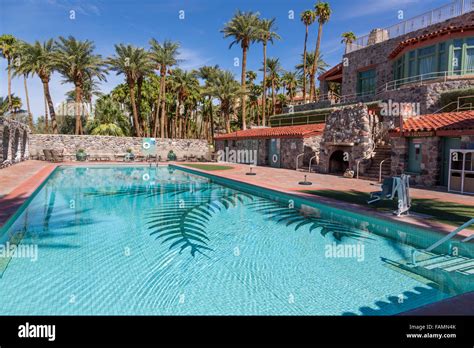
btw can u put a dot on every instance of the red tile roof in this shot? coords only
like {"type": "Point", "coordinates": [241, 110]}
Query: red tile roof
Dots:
{"type": "Point", "coordinates": [427, 37]}
{"type": "Point", "coordinates": [301, 131]}
{"type": "Point", "coordinates": [448, 121]}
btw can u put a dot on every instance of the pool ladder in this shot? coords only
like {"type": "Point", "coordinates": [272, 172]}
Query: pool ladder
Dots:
{"type": "Point", "coordinates": [445, 239]}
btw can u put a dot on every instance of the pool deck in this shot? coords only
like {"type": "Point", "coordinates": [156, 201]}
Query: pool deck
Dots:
{"type": "Point", "coordinates": [19, 181]}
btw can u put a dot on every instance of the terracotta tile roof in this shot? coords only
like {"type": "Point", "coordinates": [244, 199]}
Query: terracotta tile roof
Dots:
{"type": "Point", "coordinates": [426, 37]}
{"type": "Point", "coordinates": [300, 131]}
{"type": "Point", "coordinates": [462, 120]}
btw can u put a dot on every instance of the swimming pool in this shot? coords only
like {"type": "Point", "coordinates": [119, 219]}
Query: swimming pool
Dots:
{"type": "Point", "coordinates": [163, 241]}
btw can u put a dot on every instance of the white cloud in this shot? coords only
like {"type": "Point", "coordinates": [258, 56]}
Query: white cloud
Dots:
{"type": "Point", "coordinates": [192, 59]}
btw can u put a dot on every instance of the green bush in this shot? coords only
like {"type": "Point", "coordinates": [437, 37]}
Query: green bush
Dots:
{"type": "Point", "coordinates": [452, 98]}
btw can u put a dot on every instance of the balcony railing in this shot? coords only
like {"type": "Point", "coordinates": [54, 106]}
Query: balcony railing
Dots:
{"type": "Point", "coordinates": [454, 9]}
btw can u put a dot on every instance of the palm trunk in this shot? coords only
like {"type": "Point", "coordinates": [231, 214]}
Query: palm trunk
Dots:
{"type": "Point", "coordinates": [50, 105]}
{"type": "Point", "coordinates": [77, 110]}
{"type": "Point", "coordinates": [243, 80]}
{"type": "Point", "coordinates": [30, 116]}
{"type": "Point", "coordinates": [273, 97]}
{"type": "Point", "coordinates": [162, 97]}
{"type": "Point", "coordinates": [10, 104]}
{"type": "Point", "coordinates": [304, 65]}
{"type": "Point", "coordinates": [46, 125]}
{"type": "Point", "coordinates": [211, 115]}
{"type": "Point", "coordinates": [315, 63]}
{"type": "Point", "coordinates": [264, 100]}
{"type": "Point", "coordinates": [136, 123]}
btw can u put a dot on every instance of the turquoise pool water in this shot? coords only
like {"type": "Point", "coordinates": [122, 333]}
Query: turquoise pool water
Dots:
{"type": "Point", "coordinates": [161, 241]}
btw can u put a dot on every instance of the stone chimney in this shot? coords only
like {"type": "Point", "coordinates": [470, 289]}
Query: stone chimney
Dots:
{"type": "Point", "coordinates": [377, 35]}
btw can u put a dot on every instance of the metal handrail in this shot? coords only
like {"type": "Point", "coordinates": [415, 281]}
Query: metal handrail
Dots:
{"type": "Point", "coordinates": [311, 160]}
{"type": "Point", "coordinates": [437, 15]}
{"type": "Point", "coordinates": [445, 239]}
{"type": "Point", "coordinates": [458, 105]}
{"type": "Point", "coordinates": [369, 155]}
{"type": "Point", "coordinates": [297, 158]}
{"type": "Point", "coordinates": [394, 84]}
{"type": "Point", "coordinates": [380, 169]}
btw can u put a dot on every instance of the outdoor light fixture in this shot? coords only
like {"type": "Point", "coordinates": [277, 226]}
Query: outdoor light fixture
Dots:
{"type": "Point", "coordinates": [250, 172]}
{"type": "Point", "coordinates": [305, 182]}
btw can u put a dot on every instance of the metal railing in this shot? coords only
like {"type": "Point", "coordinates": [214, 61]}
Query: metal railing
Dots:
{"type": "Point", "coordinates": [459, 106]}
{"type": "Point", "coordinates": [432, 77]}
{"type": "Point", "coordinates": [445, 239]}
{"type": "Point", "coordinates": [311, 160]}
{"type": "Point", "coordinates": [380, 168]}
{"type": "Point", "coordinates": [297, 159]}
{"type": "Point", "coordinates": [454, 9]}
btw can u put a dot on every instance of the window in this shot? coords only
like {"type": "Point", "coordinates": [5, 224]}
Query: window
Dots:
{"type": "Point", "coordinates": [454, 57]}
{"type": "Point", "coordinates": [426, 60]}
{"type": "Point", "coordinates": [366, 82]}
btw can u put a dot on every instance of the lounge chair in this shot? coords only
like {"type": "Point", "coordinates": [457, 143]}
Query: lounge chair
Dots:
{"type": "Point", "coordinates": [57, 155]}
{"type": "Point", "coordinates": [47, 155]}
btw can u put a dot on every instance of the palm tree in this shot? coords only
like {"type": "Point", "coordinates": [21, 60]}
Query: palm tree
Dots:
{"type": "Point", "coordinates": [23, 68]}
{"type": "Point", "coordinates": [132, 62]}
{"type": "Point", "coordinates": [76, 61]}
{"type": "Point", "coordinates": [290, 81]}
{"type": "Point", "coordinates": [108, 119]}
{"type": "Point", "coordinates": [164, 56]}
{"type": "Point", "coordinates": [39, 59]}
{"type": "Point", "coordinates": [307, 17]}
{"type": "Point", "coordinates": [321, 66]}
{"type": "Point", "coordinates": [273, 69]}
{"type": "Point", "coordinates": [348, 38]}
{"type": "Point", "coordinates": [244, 29]}
{"type": "Point", "coordinates": [185, 85]}
{"type": "Point", "coordinates": [209, 75]}
{"type": "Point", "coordinates": [266, 34]}
{"type": "Point", "coordinates": [8, 45]}
{"type": "Point", "coordinates": [323, 13]}
{"type": "Point", "coordinates": [224, 87]}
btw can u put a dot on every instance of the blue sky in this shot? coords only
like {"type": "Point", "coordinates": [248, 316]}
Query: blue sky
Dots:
{"type": "Point", "coordinates": [107, 22]}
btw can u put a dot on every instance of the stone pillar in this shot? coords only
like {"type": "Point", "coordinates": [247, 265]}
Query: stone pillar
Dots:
{"type": "Point", "coordinates": [399, 155]}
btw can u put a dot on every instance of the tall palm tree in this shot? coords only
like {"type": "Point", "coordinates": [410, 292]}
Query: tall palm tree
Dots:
{"type": "Point", "coordinates": [244, 29]}
{"type": "Point", "coordinates": [267, 33]}
{"type": "Point", "coordinates": [76, 61]}
{"type": "Point", "coordinates": [39, 59]}
{"type": "Point", "coordinates": [164, 56]}
{"type": "Point", "coordinates": [290, 81]}
{"type": "Point", "coordinates": [226, 90]}
{"type": "Point", "coordinates": [185, 85]}
{"type": "Point", "coordinates": [348, 38]}
{"type": "Point", "coordinates": [323, 13]}
{"type": "Point", "coordinates": [22, 68]}
{"type": "Point", "coordinates": [307, 17]}
{"type": "Point", "coordinates": [209, 75]}
{"type": "Point", "coordinates": [8, 45]}
{"type": "Point", "coordinates": [131, 62]}
{"type": "Point", "coordinates": [273, 70]}
{"type": "Point", "coordinates": [321, 66]}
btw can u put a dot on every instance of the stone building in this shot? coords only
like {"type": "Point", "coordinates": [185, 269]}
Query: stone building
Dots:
{"type": "Point", "coordinates": [423, 147]}
{"type": "Point", "coordinates": [14, 141]}
{"type": "Point", "coordinates": [279, 147]}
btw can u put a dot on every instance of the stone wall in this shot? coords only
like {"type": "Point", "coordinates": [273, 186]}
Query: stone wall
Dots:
{"type": "Point", "coordinates": [377, 56]}
{"type": "Point", "coordinates": [13, 142]}
{"type": "Point", "coordinates": [349, 130]}
{"type": "Point", "coordinates": [289, 149]}
{"type": "Point", "coordinates": [114, 145]}
{"type": "Point", "coordinates": [244, 146]}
